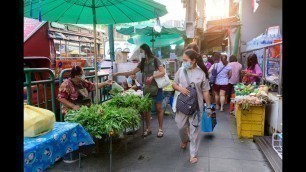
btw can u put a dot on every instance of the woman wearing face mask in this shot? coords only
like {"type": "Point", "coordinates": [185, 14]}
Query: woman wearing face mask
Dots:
{"type": "Point", "coordinates": [73, 92]}
{"type": "Point", "coordinates": [206, 62]}
{"type": "Point", "coordinates": [147, 66]}
{"type": "Point", "coordinates": [198, 74]}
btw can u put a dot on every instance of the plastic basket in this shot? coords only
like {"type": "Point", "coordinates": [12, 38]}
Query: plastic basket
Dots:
{"type": "Point", "coordinates": [277, 143]}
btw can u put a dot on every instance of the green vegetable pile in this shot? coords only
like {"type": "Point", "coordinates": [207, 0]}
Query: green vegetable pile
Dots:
{"type": "Point", "coordinates": [241, 89]}
{"type": "Point", "coordinates": [111, 117]}
{"type": "Point", "coordinates": [141, 104]}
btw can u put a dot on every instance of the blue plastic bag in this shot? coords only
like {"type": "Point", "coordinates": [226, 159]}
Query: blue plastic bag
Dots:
{"type": "Point", "coordinates": [209, 123]}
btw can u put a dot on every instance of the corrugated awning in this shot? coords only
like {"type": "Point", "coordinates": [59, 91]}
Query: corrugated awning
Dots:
{"type": "Point", "coordinates": [57, 35]}
{"type": "Point", "coordinates": [214, 38]}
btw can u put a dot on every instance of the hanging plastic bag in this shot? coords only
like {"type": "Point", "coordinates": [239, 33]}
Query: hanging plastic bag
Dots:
{"type": "Point", "coordinates": [37, 121]}
{"type": "Point", "coordinates": [176, 94]}
{"type": "Point", "coordinates": [209, 122]}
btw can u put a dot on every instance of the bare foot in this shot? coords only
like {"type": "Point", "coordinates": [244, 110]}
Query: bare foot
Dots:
{"type": "Point", "coordinates": [193, 160]}
{"type": "Point", "coordinates": [184, 145]}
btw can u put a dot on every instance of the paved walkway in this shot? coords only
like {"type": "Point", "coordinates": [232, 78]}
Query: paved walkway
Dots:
{"type": "Point", "coordinates": [220, 151]}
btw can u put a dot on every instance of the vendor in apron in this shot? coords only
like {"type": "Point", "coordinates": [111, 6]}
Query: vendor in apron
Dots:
{"type": "Point", "coordinates": [74, 91]}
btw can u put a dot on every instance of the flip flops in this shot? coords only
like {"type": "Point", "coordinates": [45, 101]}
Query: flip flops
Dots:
{"type": "Point", "coordinates": [146, 133]}
{"type": "Point", "coordinates": [184, 145]}
{"type": "Point", "coordinates": [160, 133]}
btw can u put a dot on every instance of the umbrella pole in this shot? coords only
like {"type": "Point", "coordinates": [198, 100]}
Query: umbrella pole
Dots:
{"type": "Point", "coordinates": [111, 45]}
{"type": "Point", "coordinates": [153, 40]}
{"type": "Point", "coordinates": [95, 50]}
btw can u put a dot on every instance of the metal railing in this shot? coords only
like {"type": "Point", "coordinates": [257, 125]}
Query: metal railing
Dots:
{"type": "Point", "coordinates": [103, 93]}
{"type": "Point", "coordinates": [243, 61]}
{"type": "Point", "coordinates": [41, 85]}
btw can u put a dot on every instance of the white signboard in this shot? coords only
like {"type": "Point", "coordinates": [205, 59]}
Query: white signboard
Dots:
{"type": "Point", "coordinates": [172, 56]}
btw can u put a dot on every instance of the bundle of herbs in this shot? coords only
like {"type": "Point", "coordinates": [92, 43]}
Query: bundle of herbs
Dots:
{"type": "Point", "coordinates": [90, 118]}
{"type": "Point", "coordinates": [141, 104]}
{"type": "Point", "coordinates": [112, 117]}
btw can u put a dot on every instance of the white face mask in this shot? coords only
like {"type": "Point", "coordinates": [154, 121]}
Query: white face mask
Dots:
{"type": "Point", "coordinates": [187, 65]}
{"type": "Point", "coordinates": [205, 59]}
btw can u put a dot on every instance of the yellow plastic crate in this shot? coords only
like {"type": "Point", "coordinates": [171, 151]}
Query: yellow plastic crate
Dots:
{"type": "Point", "coordinates": [250, 122]}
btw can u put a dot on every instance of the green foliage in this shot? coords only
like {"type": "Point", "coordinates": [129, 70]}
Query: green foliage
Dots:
{"type": "Point", "coordinates": [113, 116]}
{"type": "Point", "coordinates": [89, 117]}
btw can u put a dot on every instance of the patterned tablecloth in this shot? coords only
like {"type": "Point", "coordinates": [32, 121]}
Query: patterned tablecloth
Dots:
{"type": "Point", "coordinates": [43, 151]}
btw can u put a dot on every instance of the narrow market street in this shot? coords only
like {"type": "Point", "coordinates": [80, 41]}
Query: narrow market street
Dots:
{"type": "Point", "coordinates": [220, 151]}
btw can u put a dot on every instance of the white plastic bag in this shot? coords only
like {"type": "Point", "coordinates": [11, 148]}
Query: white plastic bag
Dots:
{"type": "Point", "coordinates": [162, 81]}
{"type": "Point", "coordinates": [37, 121]}
{"type": "Point", "coordinates": [176, 94]}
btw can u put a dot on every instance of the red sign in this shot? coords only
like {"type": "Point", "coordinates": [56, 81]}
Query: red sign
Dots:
{"type": "Point", "coordinates": [67, 64]}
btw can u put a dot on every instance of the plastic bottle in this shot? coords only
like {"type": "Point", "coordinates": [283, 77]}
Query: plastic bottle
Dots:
{"type": "Point", "coordinates": [110, 74]}
{"type": "Point", "coordinates": [264, 38]}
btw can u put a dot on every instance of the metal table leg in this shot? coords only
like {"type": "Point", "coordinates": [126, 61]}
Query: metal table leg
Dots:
{"type": "Point", "coordinates": [110, 153]}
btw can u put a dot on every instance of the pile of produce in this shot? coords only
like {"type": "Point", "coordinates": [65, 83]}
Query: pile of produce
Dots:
{"type": "Point", "coordinates": [257, 97]}
{"type": "Point", "coordinates": [241, 89]}
{"type": "Point", "coordinates": [111, 117]}
{"type": "Point", "coordinates": [141, 104]}
{"type": "Point", "coordinates": [132, 91]}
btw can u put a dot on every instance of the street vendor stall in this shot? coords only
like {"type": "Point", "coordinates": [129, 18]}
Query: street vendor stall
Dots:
{"type": "Point", "coordinates": [250, 105]}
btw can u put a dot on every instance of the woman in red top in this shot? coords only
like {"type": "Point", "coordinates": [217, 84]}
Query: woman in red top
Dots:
{"type": "Point", "coordinates": [74, 91]}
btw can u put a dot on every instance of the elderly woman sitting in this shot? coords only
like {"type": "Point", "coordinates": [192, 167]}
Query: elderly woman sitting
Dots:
{"type": "Point", "coordinates": [74, 91]}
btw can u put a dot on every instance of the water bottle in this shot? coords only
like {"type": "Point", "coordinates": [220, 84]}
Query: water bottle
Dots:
{"type": "Point", "coordinates": [110, 74]}
{"type": "Point", "coordinates": [264, 40]}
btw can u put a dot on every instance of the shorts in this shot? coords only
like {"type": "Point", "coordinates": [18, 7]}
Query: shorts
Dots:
{"type": "Point", "coordinates": [217, 88]}
{"type": "Point", "coordinates": [159, 97]}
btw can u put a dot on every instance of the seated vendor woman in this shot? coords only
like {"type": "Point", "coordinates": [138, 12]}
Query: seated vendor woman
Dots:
{"type": "Point", "coordinates": [131, 83]}
{"type": "Point", "coordinates": [74, 91]}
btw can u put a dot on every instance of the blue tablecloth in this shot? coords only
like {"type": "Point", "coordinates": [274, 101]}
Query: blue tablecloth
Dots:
{"type": "Point", "coordinates": [43, 151]}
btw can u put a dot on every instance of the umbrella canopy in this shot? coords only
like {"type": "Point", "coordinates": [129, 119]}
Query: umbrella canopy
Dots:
{"type": "Point", "coordinates": [81, 11]}
{"type": "Point", "coordinates": [147, 28]}
{"type": "Point", "coordinates": [93, 12]}
{"type": "Point", "coordinates": [145, 33]}
{"type": "Point", "coordinates": [159, 41]}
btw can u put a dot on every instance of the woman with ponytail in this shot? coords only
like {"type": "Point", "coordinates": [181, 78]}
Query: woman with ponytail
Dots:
{"type": "Point", "coordinates": [197, 73]}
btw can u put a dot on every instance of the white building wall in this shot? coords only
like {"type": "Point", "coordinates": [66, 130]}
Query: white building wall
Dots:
{"type": "Point", "coordinates": [269, 13]}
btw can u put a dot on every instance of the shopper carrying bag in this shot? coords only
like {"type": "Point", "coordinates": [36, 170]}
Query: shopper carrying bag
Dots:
{"type": "Point", "coordinates": [147, 66]}
{"type": "Point", "coordinates": [197, 73]}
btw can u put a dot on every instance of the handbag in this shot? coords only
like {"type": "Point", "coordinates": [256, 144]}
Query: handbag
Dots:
{"type": "Point", "coordinates": [162, 81]}
{"type": "Point", "coordinates": [214, 74]}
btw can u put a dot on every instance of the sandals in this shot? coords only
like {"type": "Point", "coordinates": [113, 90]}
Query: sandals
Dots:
{"type": "Point", "coordinates": [146, 133]}
{"type": "Point", "coordinates": [193, 160]}
{"type": "Point", "coordinates": [160, 133]}
{"type": "Point", "coordinates": [184, 145]}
